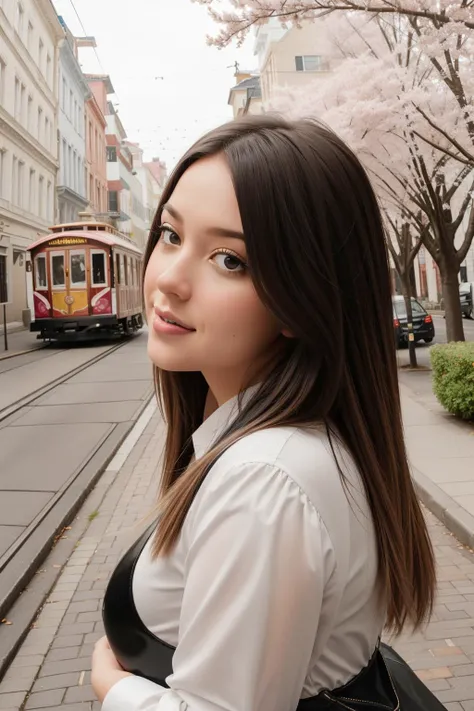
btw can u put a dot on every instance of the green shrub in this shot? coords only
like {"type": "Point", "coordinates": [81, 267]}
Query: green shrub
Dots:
{"type": "Point", "coordinates": [453, 377]}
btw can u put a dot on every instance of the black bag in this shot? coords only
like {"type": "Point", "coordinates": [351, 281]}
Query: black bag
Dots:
{"type": "Point", "coordinates": [386, 684]}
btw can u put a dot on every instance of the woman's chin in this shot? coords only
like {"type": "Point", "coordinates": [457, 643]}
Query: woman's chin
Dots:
{"type": "Point", "coordinates": [167, 358]}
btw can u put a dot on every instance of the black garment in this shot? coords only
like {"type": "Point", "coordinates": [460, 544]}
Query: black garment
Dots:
{"type": "Point", "coordinates": [386, 684]}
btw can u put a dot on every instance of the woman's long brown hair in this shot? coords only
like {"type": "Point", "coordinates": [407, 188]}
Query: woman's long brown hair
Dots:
{"type": "Point", "coordinates": [317, 257]}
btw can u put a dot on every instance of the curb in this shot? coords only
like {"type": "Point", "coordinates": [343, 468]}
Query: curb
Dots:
{"type": "Point", "coordinates": [456, 519]}
{"type": "Point", "coordinates": [33, 585]}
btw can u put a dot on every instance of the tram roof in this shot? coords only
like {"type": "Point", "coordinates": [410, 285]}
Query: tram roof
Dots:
{"type": "Point", "coordinates": [98, 231]}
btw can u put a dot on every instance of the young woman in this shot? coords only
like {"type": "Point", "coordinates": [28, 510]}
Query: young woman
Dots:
{"type": "Point", "coordinates": [289, 532]}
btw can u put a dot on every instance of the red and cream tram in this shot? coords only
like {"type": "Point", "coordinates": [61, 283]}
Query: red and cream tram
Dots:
{"type": "Point", "coordinates": [86, 282]}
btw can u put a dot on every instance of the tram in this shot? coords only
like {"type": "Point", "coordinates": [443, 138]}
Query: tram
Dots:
{"type": "Point", "coordinates": [86, 283]}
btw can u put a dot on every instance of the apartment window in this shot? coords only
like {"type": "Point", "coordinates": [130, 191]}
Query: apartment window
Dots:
{"type": "Point", "coordinates": [63, 101]}
{"type": "Point", "coordinates": [41, 196]}
{"type": "Point", "coordinates": [23, 104]}
{"type": "Point", "coordinates": [113, 201]}
{"type": "Point", "coordinates": [3, 69]}
{"type": "Point", "coordinates": [91, 187]}
{"type": "Point", "coordinates": [2, 172]}
{"type": "Point", "coordinates": [21, 184]}
{"type": "Point", "coordinates": [40, 121]}
{"type": "Point", "coordinates": [311, 63]}
{"type": "Point", "coordinates": [74, 171]}
{"type": "Point", "coordinates": [98, 196]}
{"type": "Point", "coordinates": [80, 122]}
{"type": "Point", "coordinates": [20, 19]}
{"type": "Point", "coordinates": [14, 196]}
{"type": "Point", "coordinates": [48, 69]}
{"type": "Point", "coordinates": [40, 55]}
{"type": "Point", "coordinates": [17, 99]}
{"type": "Point", "coordinates": [69, 166]}
{"type": "Point", "coordinates": [32, 190]}
{"type": "Point", "coordinates": [71, 98]}
{"type": "Point", "coordinates": [64, 163]}
{"type": "Point", "coordinates": [29, 37]}
{"type": "Point", "coordinates": [111, 154]}
{"type": "Point", "coordinates": [29, 114]}
{"type": "Point", "coordinates": [46, 132]}
{"type": "Point", "coordinates": [49, 203]}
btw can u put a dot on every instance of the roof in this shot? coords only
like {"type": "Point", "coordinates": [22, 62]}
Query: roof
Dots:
{"type": "Point", "coordinates": [103, 78]}
{"type": "Point", "coordinates": [251, 86]}
{"type": "Point", "coordinates": [109, 238]}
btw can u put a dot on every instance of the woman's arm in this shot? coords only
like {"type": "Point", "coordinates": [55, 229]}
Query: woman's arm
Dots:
{"type": "Point", "coordinates": [258, 562]}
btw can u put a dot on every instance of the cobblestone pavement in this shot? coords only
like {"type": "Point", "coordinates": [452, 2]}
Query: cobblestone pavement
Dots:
{"type": "Point", "coordinates": [52, 668]}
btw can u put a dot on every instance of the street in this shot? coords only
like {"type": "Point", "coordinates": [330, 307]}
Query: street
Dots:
{"type": "Point", "coordinates": [63, 414]}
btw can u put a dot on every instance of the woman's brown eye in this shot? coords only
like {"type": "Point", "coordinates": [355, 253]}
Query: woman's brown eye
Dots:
{"type": "Point", "coordinates": [228, 262]}
{"type": "Point", "coordinates": [169, 237]}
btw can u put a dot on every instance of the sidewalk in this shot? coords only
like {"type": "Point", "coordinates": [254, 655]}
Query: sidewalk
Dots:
{"type": "Point", "coordinates": [20, 340]}
{"type": "Point", "coordinates": [441, 453]}
{"type": "Point", "coordinates": [52, 667]}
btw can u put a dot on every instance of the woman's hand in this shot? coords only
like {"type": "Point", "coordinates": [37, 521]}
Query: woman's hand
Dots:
{"type": "Point", "coordinates": [106, 671]}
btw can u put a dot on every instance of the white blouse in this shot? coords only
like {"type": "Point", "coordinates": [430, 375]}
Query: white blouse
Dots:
{"type": "Point", "coordinates": [271, 592]}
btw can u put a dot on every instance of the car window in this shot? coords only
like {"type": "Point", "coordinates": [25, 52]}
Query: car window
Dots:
{"type": "Point", "coordinates": [416, 307]}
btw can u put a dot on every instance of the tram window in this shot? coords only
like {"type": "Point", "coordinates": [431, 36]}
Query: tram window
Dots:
{"type": "Point", "coordinates": [125, 269]}
{"type": "Point", "coordinates": [78, 268]}
{"type": "Point", "coordinates": [40, 272]}
{"type": "Point", "coordinates": [117, 269]}
{"type": "Point", "coordinates": [98, 269]}
{"type": "Point", "coordinates": [57, 264]}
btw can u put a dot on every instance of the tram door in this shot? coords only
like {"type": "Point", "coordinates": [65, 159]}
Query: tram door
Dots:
{"type": "Point", "coordinates": [69, 283]}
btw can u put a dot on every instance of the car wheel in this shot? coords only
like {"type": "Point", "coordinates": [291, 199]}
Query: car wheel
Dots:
{"type": "Point", "coordinates": [428, 340]}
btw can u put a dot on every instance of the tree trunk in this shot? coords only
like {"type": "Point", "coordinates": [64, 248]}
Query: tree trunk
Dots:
{"type": "Point", "coordinates": [411, 337]}
{"type": "Point", "coordinates": [452, 306]}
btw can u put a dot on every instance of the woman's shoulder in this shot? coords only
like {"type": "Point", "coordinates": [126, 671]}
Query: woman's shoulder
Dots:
{"type": "Point", "coordinates": [306, 458]}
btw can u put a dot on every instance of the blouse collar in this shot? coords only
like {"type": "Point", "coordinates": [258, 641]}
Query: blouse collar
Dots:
{"type": "Point", "coordinates": [217, 423]}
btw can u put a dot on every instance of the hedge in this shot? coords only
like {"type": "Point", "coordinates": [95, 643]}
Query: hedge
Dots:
{"type": "Point", "coordinates": [453, 377]}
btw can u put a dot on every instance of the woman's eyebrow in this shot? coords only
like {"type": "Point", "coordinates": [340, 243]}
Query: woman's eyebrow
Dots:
{"type": "Point", "coordinates": [213, 231]}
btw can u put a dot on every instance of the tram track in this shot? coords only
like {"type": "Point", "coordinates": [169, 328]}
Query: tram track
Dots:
{"type": "Point", "coordinates": [15, 407]}
{"type": "Point", "coordinates": [25, 577]}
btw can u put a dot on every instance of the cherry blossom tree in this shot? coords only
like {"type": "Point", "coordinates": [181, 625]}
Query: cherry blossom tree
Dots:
{"type": "Point", "coordinates": [442, 32]}
{"type": "Point", "coordinates": [402, 98]}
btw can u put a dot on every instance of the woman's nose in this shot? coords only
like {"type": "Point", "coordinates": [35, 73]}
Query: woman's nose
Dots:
{"type": "Point", "coordinates": [175, 278]}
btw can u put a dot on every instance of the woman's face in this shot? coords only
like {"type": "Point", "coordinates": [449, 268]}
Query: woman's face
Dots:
{"type": "Point", "coordinates": [197, 277]}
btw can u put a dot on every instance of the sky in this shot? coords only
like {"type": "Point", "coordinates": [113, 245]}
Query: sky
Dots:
{"type": "Point", "coordinates": [170, 86]}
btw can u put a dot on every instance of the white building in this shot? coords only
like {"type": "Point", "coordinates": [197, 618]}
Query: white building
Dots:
{"type": "Point", "coordinates": [73, 93]}
{"type": "Point", "coordinates": [29, 36]}
{"type": "Point", "coordinates": [151, 191]}
{"type": "Point", "coordinates": [293, 56]}
{"type": "Point", "coordinates": [126, 204]}
{"type": "Point", "coordinates": [246, 96]}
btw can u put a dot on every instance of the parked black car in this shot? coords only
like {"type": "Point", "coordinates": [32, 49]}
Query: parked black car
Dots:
{"type": "Point", "coordinates": [466, 297]}
{"type": "Point", "coordinates": [423, 327]}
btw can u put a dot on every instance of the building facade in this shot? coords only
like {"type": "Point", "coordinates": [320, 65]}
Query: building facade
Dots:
{"type": "Point", "coordinates": [246, 96]}
{"type": "Point", "coordinates": [29, 37]}
{"type": "Point", "coordinates": [95, 173]}
{"type": "Point", "coordinates": [73, 92]}
{"type": "Point", "coordinates": [294, 56]}
{"type": "Point", "coordinates": [125, 190]}
{"type": "Point", "coordinates": [149, 195]}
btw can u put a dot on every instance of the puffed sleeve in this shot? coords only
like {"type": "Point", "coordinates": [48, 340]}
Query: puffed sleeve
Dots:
{"type": "Point", "coordinates": [259, 559]}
